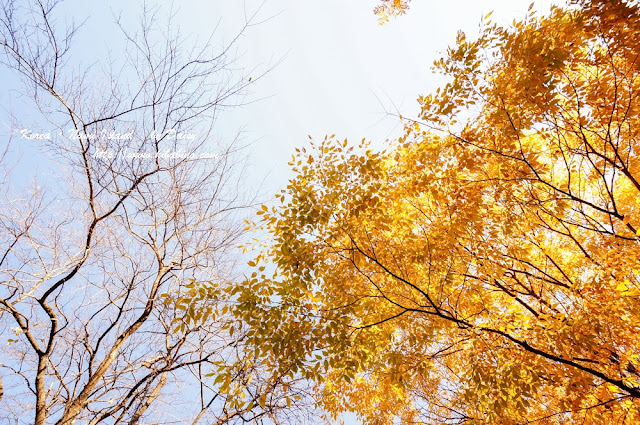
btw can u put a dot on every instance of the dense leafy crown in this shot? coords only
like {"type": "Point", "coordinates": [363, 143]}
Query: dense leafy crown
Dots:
{"type": "Point", "coordinates": [484, 268]}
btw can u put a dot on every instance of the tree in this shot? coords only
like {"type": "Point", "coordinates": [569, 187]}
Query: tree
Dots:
{"type": "Point", "coordinates": [144, 202]}
{"type": "Point", "coordinates": [484, 267]}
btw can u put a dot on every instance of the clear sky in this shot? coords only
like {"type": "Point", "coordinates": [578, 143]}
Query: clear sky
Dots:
{"type": "Point", "coordinates": [341, 70]}
{"type": "Point", "coordinates": [335, 69]}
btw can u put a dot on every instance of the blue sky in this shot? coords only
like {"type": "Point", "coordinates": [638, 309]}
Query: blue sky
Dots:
{"type": "Point", "coordinates": [335, 70]}
{"type": "Point", "coordinates": [341, 71]}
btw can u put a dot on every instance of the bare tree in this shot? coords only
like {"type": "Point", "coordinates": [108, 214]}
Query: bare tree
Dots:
{"type": "Point", "coordinates": [144, 202]}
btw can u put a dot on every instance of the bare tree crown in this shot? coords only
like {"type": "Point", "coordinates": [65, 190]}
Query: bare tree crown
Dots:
{"type": "Point", "coordinates": [146, 200]}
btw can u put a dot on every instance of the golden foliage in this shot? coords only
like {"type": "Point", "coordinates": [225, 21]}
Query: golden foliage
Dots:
{"type": "Point", "coordinates": [484, 268]}
{"type": "Point", "coordinates": [390, 8]}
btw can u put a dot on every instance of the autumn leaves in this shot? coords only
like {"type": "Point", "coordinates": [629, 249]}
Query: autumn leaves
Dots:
{"type": "Point", "coordinates": [484, 268]}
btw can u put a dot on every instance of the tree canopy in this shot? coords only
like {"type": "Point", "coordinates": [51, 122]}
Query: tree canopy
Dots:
{"type": "Point", "coordinates": [483, 268]}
